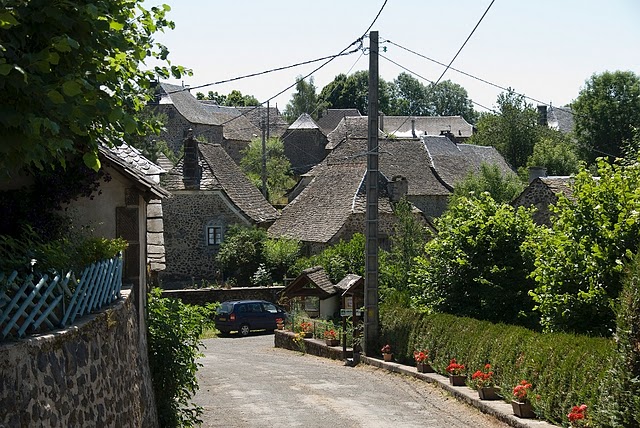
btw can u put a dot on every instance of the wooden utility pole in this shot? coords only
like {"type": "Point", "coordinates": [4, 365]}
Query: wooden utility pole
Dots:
{"type": "Point", "coordinates": [371, 316]}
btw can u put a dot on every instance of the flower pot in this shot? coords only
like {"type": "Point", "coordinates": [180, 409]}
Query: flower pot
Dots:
{"type": "Point", "coordinates": [424, 368]}
{"type": "Point", "coordinates": [307, 334]}
{"type": "Point", "coordinates": [522, 409]}
{"type": "Point", "coordinates": [332, 342]}
{"type": "Point", "coordinates": [488, 393]}
{"type": "Point", "coordinates": [388, 357]}
{"type": "Point", "coordinates": [280, 326]}
{"type": "Point", "coordinates": [457, 380]}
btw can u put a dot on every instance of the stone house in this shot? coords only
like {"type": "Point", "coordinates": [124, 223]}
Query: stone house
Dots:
{"type": "Point", "coordinates": [432, 165]}
{"type": "Point", "coordinates": [183, 113]}
{"type": "Point", "coordinates": [560, 119]}
{"type": "Point", "coordinates": [332, 207]}
{"type": "Point", "coordinates": [332, 117]}
{"type": "Point", "coordinates": [541, 193]}
{"type": "Point", "coordinates": [209, 194]}
{"type": "Point", "coordinates": [304, 144]}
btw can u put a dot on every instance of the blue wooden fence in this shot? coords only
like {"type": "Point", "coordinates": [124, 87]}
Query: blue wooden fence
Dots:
{"type": "Point", "coordinates": [29, 305]}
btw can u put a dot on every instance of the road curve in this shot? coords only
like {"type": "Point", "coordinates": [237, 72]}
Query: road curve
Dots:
{"type": "Point", "coordinates": [246, 382]}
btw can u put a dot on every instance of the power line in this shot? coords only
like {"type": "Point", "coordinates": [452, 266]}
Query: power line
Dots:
{"type": "Point", "coordinates": [454, 57]}
{"type": "Point", "coordinates": [430, 81]}
{"type": "Point", "coordinates": [260, 73]}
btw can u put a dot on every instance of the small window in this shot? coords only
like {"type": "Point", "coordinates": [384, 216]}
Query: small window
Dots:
{"type": "Point", "coordinates": [214, 235]}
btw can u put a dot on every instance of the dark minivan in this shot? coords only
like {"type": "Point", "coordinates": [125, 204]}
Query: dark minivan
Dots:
{"type": "Point", "coordinates": [246, 315]}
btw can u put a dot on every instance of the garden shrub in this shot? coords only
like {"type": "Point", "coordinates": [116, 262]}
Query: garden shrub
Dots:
{"type": "Point", "coordinates": [173, 339]}
{"type": "Point", "coordinates": [339, 260]}
{"type": "Point", "coordinates": [621, 393]}
{"type": "Point", "coordinates": [564, 369]}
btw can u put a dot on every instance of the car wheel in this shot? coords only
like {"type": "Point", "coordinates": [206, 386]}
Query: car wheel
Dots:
{"type": "Point", "coordinates": [244, 330]}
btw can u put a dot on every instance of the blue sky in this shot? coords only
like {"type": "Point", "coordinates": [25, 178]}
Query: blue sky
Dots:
{"type": "Point", "coordinates": [545, 49]}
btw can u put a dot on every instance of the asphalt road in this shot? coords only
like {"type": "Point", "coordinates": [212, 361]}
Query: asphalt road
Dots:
{"type": "Point", "coordinates": [246, 382]}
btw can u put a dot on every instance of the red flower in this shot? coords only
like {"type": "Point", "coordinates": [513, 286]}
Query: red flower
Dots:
{"type": "Point", "coordinates": [577, 413]}
{"type": "Point", "coordinates": [421, 356]}
{"type": "Point", "coordinates": [454, 368]}
{"type": "Point", "coordinates": [521, 390]}
{"type": "Point", "coordinates": [483, 379]}
{"type": "Point", "coordinates": [386, 349]}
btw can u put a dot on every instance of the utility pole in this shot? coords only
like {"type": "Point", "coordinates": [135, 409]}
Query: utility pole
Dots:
{"type": "Point", "coordinates": [268, 121]}
{"type": "Point", "coordinates": [264, 160]}
{"type": "Point", "coordinates": [371, 316]}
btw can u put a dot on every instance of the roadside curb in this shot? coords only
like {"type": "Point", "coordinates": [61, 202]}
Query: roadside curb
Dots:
{"type": "Point", "coordinates": [498, 408]}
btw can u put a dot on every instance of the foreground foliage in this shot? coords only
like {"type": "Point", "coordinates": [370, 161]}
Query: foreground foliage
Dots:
{"type": "Point", "coordinates": [593, 237]}
{"type": "Point", "coordinates": [474, 266]}
{"type": "Point", "coordinates": [564, 369]}
{"type": "Point", "coordinates": [72, 79]}
{"type": "Point", "coordinates": [173, 339]}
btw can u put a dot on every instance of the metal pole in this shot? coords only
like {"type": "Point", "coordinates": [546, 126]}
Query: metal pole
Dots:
{"type": "Point", "coordinates": [371, 316]}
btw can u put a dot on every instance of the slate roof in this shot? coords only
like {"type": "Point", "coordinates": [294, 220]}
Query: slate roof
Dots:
{"type": "Point", "coordinates": [427, 125]}
{"type": "Point", "coordinates": [559, 184]}
{"type": "Point", "coordinates": [129, 169]}
{"type": "Point", "coordinates": [453, 162]}
{"type": "Point", "coordinates": [134, 157]}
{"type": "Point", "coordinates": [304, 121]}
{"type": "Point", "coordinates": [560, 119]}
{"type": "Point", "coordinates": [348, 282]}
{"type": "Point", "coordinates": [186, 104]}
{"type": "Point", "coordinates": [220, 172]}
{"type": "Point", "coordinates": [164, 162]}
{"type": "Point", "coordinates": [332, 117]}
{"type": "Point", "coordinates": [235, 126]}
{"type": "Point", "coordinates": [315, 275]}
{"type": "Point", "coordinates": [277, 124]}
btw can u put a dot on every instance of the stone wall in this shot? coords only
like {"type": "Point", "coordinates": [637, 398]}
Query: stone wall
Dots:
{"type": "Point", "coordinates": [209, 295]}
{"type": "Point", "coordinates": [304, 148]}
{"type": "Point", "coordinates": [93, 374]}
{"type": "Point", "coordinates": [537, 195]}
{"type": "Point", "coordinates": [186, 215]}
{"type": "Point", "coordinates": [432, 206]}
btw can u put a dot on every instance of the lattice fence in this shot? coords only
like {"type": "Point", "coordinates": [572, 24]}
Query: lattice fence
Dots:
{"type": "Point", "coordinates": [30, 305]}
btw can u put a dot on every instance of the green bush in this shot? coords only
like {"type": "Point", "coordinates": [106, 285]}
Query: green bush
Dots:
{"type": "Point", "coordinates": [339, 260]}
{"type": "Point", "coordinates": [173, 338]}
{"type": "Point", "coordinates": [564, 369]}
{"type": "Point", "coordinates": [621, 393]}
{"type": "Point", "coordinates": [241, 253]}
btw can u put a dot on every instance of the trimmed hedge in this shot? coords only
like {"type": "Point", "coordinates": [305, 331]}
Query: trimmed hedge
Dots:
{"type": "Point", "coordinates": [565, 369]}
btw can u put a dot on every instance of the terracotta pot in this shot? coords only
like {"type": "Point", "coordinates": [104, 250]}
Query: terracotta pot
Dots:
{"type": "Point", "coordinates": [457, 380]}
{"type": "Point", "coordinates": [332, 342]}
{"type": "Point", "coordinates": [522, 409]}
{"type": "Point", "coordinates": [488, 393]}
{"type": "Point", "coordinates": [388, 357]}
{"type": "Point", "coordinates": [424, 368]}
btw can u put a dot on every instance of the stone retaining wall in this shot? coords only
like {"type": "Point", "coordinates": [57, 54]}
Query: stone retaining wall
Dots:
{"type": "Point", "coordinates": [209, 295]}
{"type": "Point", "coordinates": [95, 373]}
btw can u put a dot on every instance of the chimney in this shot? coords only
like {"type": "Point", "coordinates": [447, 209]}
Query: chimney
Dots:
{"type": "Point", "coordinates": [449, 135]}
{"type": "Point", "coordinates": [190, 165]}
{"type": "Point", "coordinates": [536, 172]}
{"type": "Point", "coordinates": [542, 115]}
{"type": "Point", "coordinates": [413, 128]}
{"type": "Point", "coordinates": [397, 188]}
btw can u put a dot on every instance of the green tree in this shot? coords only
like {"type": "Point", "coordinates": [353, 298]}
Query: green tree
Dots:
{"type": "Point", "coordinates": [606, 112]}
{"type": "Point", "coordinates": [236, 99]}
{"type": "Point", "coordinates": [474, 267]}
{"type": "Point", "coordinates": [407, 242]}
{"type": "Point", "coordinates": [304, 100]}
{"type": "Point", "coordinates": [338, 260]}
{"type": "Point", "coordinates": [409, 97]}
{"type": "Point", "coordinates": [352, 92]}
{"type": "Point", "coordinates": [279, 255]}
{"type": "Point", "coordinates": [556, 152]}
{"type": "Point", "coordinates": [513, 131]}
{"type": "Point", "coordinates": [71, 77]}
{"type": "Point", "coordinates": [215, 97]}
{"type": "Point", "coordinates": [450, 99]}
{"type": "Point", "coordinates": [579, 262]}
{"type": "Point", "coordinates": [503, 188]}
{"type": "Point", "coordinates": [241, 253]}
{"type": "Point", "coordinates": [279, 175]}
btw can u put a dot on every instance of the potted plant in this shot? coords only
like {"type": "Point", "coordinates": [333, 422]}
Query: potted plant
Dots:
{"type": "Point", "coordinates": [520, 403]}
{"type": "Point", "coordinates": [456, 373]}
{"type": "Point", "coordinates": [331, 338]}
{"type": "Point", "coordinates": [280, 323]}
{"type": "Point", "coordinates": [422, 361]}
{"type": "Point", "coordinates": [483, 381]}
{"type": "Point", "coordinates": [306, 328]}
{"type": "Point", "coordinates": [577, 416]}
{"type": "Point", "coordinates": [386, 353]}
